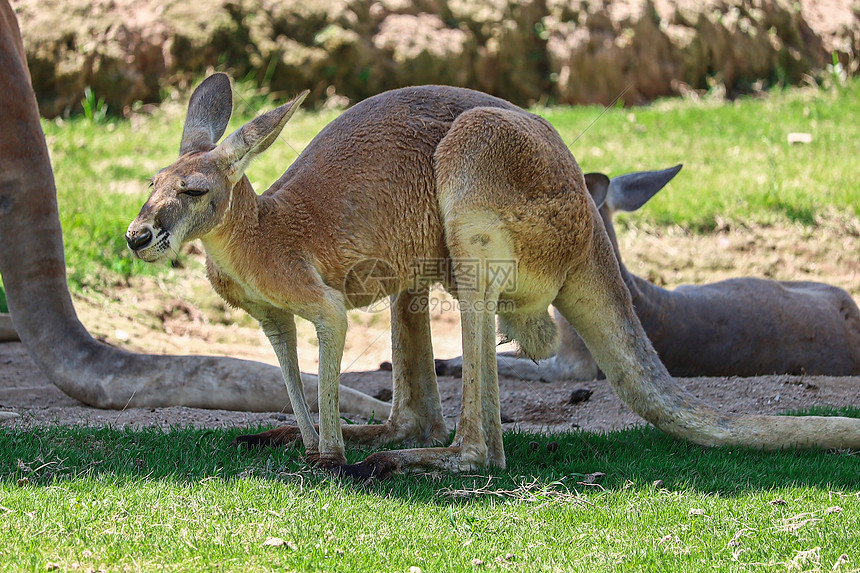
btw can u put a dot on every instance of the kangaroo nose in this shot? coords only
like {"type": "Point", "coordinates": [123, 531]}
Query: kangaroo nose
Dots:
{"type": "Point", "coordinates": [139, 240]}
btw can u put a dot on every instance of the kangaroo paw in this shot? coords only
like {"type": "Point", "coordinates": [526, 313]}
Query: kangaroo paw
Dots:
{"type": "Point", "coordinates": [325, 461]}
{"type": "Point", "coordinates": [376, 466]}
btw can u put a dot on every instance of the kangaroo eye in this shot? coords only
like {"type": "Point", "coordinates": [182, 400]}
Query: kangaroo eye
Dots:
{"type": "Point", "coordinates": [195, 192]}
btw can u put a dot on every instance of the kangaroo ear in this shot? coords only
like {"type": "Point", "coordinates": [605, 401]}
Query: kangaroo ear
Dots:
{"type": "Point", "coordinates": [253, 138]}
{"type": "Point", "coordinates": [208, 114]}
{"type": "Point", "coordinates": [598, 186]}
{"type": "Point", "coordinates": [630, 191]}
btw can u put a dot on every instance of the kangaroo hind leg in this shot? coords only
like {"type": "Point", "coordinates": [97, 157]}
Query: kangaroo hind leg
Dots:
{"type": "Point", "coordinates": [478, 441]}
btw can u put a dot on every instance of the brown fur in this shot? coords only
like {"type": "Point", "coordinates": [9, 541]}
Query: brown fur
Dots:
{"type": "Point", "coordinates": [410, 176]}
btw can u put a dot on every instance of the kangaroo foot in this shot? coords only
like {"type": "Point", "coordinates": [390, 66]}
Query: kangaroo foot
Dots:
{"type": "Point", "coordinates": [376, 466]}
{"type": "Point", "coordinates": [325, 461]}
{"type": "Point", "coordinates": [453, 459]}
{"type": "Point", "coordinates": [374, 435]}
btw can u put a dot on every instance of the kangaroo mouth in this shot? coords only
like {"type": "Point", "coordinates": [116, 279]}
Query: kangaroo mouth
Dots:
{"type": "Point", "coordinates": [149, 255]}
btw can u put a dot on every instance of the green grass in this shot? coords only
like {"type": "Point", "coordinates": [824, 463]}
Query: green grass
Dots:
{"type": "Point", "coordinates": [738, 166]}
{"type": "Point", "coordinates": [186, 500]}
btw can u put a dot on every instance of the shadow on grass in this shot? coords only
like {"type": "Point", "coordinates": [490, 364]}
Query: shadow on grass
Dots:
{"type": "Point", "coordinates": [631, 458]}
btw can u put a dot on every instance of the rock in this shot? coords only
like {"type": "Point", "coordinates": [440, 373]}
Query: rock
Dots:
{"type": "Point", "coordinates": [798, 137]}
{"type": "Point", "coordinates": [591, 478]}
{"type": "Point", "coordinates": [564, 51]}
{"type": "Point", "coordinates": [580, 395]}
{"type": "Point", "coordinates": [451, 367]}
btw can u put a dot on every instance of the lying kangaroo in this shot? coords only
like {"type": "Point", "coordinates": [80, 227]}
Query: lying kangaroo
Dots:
{"type": "Point", "coordinates": [408, 180]}
{"type": "Point", "coordinates": [736, 327]}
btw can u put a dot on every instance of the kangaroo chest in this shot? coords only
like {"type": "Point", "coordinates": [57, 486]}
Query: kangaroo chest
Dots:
{"type": "Point", "coordinates": [235, 292]}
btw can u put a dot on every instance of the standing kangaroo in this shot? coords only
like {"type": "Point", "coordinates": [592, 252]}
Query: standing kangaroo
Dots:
{"type": "Point", "coordinates": [408, 179]}
{"type": "Point", "coordinates": [737, 327]}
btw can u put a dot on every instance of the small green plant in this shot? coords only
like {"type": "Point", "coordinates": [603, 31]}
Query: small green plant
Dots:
{"type": "Point", "coordinates": [836, 76]}
{"type": "Point", "coordinates": [4, 307]}
{"type": "Point", "coordinates": [95, 110]}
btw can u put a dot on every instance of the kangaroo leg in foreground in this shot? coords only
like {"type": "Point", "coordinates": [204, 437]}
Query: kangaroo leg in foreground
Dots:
{"type": "Point", "coordinates": [416, 412]}
{"type": "Point", "coordinates": [478, 440]}
{"type": "Point", "coordinates": [281, 332]}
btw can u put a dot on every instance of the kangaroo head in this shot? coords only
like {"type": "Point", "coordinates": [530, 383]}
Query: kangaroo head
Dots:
{"type": "Point", "coordinates": [190, 198]}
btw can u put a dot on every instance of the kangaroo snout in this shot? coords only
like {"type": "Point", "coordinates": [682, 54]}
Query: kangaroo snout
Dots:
{"type": "Point", "coordinates": [139, 238]}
